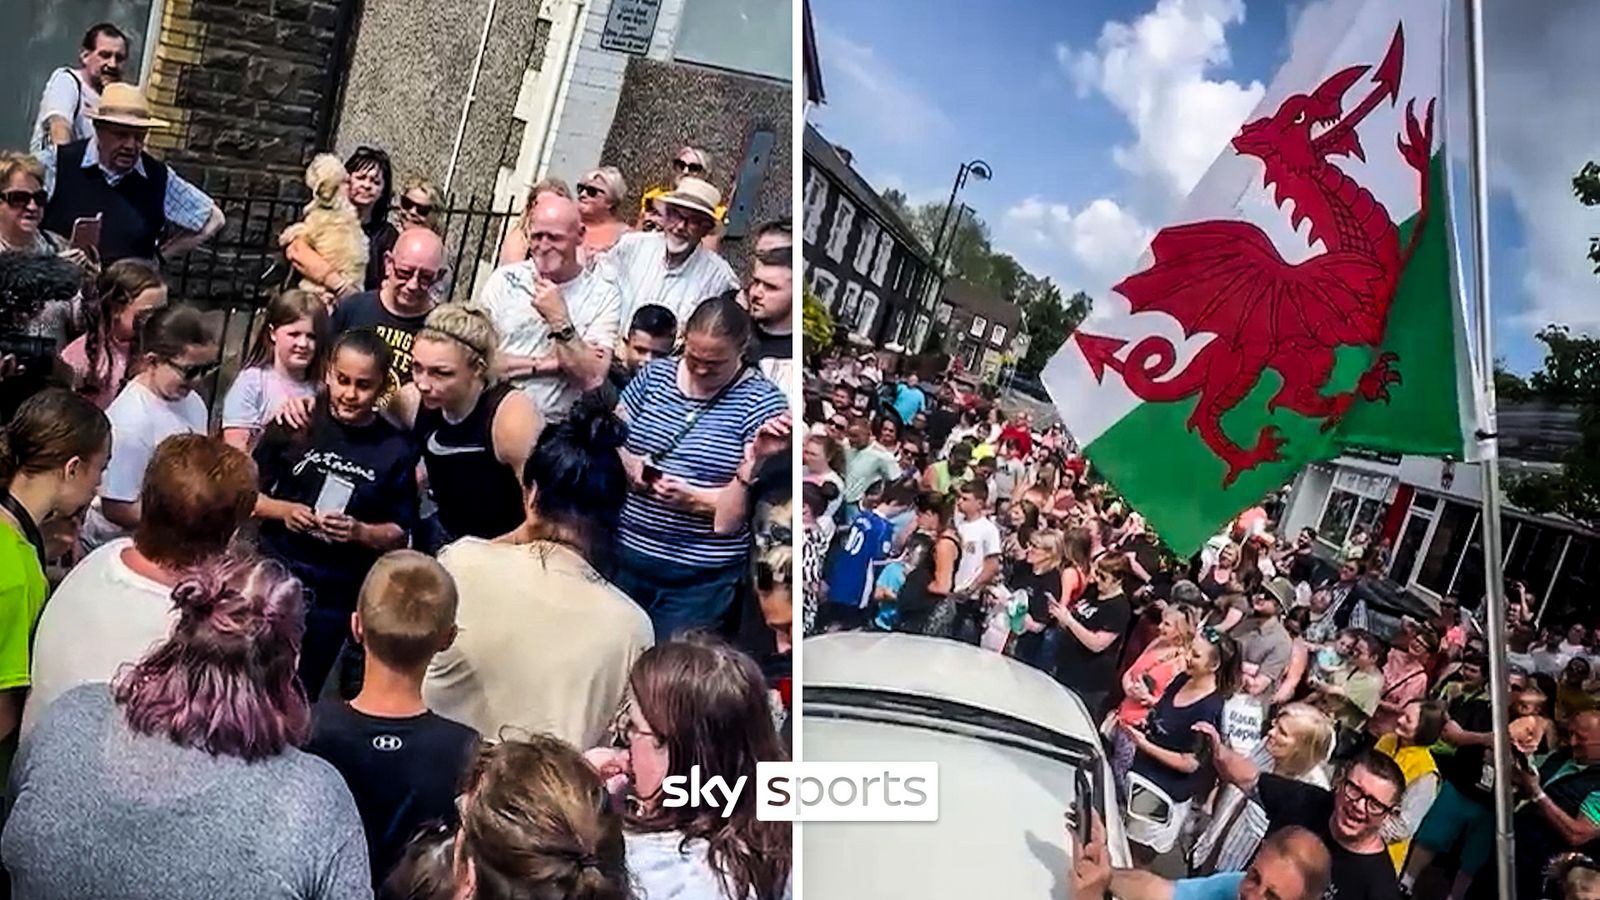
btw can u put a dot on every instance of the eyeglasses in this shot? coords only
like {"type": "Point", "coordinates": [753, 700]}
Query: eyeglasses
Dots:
{"type": "Point", "coordinates": [424, 277]}
{"type": "Point", "coordinates": [194, 372]}
{"type": "Point", "coordinates": [410, 205]}
{"type": "Point", "coordinates": [20, 199]}
{"type": "Point", "coordinates": [692, 168]}
{"type": "Point", "coordinates": [589, 190]}
{"type": "Point", "coordinates": [1363, 801]}
{"type": "Point", "coordinates": [767, 577]}
{"type": "Point", "coordinates": [683, 215]}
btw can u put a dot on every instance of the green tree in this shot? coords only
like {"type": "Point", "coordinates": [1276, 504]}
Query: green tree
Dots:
{"type": "Point", "coordinates": [1050, 322]}
{"type": "Point", "coordinates": [1509, 387]}
{"type": "Point", "coordinates": [1586, 187]}
{"type": "Point", "coordinates": [1570, 376]}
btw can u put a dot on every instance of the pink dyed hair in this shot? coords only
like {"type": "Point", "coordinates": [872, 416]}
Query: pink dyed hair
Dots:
{"type": "Point", "coordinates": [224, 682]}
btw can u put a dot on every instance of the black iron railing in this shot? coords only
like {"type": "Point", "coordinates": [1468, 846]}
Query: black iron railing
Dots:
{"type": "Point", "coordinates": [243, 265]}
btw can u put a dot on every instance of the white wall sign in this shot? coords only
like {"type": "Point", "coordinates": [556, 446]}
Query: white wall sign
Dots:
{"type": "Point", "coordinates": [630, 25]}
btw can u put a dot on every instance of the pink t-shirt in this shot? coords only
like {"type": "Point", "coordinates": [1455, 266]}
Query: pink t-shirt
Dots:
{"type": "Point", "coordinates": [113, 363]}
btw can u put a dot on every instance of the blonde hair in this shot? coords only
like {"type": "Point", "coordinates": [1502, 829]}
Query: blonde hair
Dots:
{"type": "Point", "coordinates": [1312, 733]}
{"type": "Point", "coordinates": [1055, 546]}
{"type": "Point", "coordinates": [407, 606]}
{"type": "Point", "coordinates": [609, 177]}
{"type": "Point", "coordinates": [415, 182]}
{"type": "Point", "coordinates": [1186, 629]}
{"type": "Point", "coordinates": [471, 327]}
{"type": "Point", "coordinates": [12, 163]}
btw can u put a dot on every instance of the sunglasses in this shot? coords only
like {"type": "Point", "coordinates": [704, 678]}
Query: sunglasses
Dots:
{"type": "Point", "coordinates": [692, 168]}
{"type": "Point", "coordinates": [589, 190]}
{"type": "Point", "coordinates": [424, 277]}
{"type": "Point", "coordinates": [196, 371]}
{"type": "Point", "coordinates": [19, 199]}
{"type": "Point", "coordinates": [410, 205]}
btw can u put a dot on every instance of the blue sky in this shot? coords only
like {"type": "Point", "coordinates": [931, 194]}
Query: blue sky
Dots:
{"type": "Point", "coordinates": [1090, 155]}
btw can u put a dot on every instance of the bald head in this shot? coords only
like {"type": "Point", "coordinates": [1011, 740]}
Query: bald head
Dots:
{"type": "Point", "coordinates": [1293, 865]}
{"type": "Point", "coordinates": [419, 247]}
{"type": "Point", "coordinates": [555, 232]}
{"type": "Point", "coordinates": [413, 267]}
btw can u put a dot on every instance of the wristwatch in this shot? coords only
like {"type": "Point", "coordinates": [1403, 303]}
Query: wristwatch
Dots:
{"type": "Point", "coordinates": [567, 333]}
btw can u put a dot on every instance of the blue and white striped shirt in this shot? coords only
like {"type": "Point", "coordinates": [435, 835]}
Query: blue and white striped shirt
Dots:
{"type": "Point", "coordinates": [707, 457]}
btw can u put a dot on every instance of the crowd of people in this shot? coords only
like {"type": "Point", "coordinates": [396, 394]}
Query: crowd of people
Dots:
{"type": "Point", "coordinates": [431, 597]}
{"type": "Point", "coordinates": [1271, 733]}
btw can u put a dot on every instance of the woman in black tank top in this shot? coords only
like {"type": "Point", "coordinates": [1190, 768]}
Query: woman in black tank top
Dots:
{"type": "Point", "coordinates": [475, 435]}
{"type": "Point", "coordinates": [920, 604]}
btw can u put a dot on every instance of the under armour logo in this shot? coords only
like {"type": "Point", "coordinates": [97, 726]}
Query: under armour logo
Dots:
{"type": "Point", "coordinates": [387, 743]}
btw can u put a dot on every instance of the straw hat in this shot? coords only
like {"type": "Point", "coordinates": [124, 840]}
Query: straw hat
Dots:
{"type": "Point", "coordinates": [124, 104]}
{"type": "Point", "coordinates": [695, 194]}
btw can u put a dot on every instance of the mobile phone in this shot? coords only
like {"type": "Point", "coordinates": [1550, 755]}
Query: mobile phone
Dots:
{"type": "Point", "coordinates": [86, 234]}
{"type": "Point", "coordinates": [1150, 685]}
{"type": "Point", "coordinates": [650, 474]}
{"type": "Point", "coordinates": [335, 495]}
{"type": "Point", "coordinates": [1202, 748]}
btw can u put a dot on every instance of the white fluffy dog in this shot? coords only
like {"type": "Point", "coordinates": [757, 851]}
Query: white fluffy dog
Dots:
{"type": "Point", "coordinates": [331, 226]}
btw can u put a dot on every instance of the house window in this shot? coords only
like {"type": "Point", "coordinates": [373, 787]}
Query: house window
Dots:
{"type": "Point", "coordinates": [880, 266]}
{"type": "Point", "coordinates": [852, 300]}
{"type": "Point", "coordinates": [751, 36]}
{"type": "Point", "coordinates": [816, 203]}
{"type": "Point", "coordinates": [1345, 512]}
{"type": "Point", "coordinates": [998, 336]}
{"type": "Point", "coordinates": [868, 316]}
{"type": "Point", "coordinates": [979, 323]}
{"type": "Point", "coordinates": [870, 230]}
{"type": "Point", "coordinates": [1457, 522]}
{"type": "Point", "coordinates": [844, 216]}
{"type": "Point", "coordinates": [42, 37]}
{"type": "Point", "coordinates": [824, 285]}
{"type": "Point", "coordinates": [919, 335]}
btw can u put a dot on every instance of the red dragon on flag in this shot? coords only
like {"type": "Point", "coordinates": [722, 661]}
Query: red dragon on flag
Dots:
{"type": "Point", "coordinates": [1227, 278]}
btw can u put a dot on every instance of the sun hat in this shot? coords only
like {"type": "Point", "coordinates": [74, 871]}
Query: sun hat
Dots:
{"type": "Point", "coordinates": [124, 104]}
{"type": "Point", "coordinates": [695, 194]}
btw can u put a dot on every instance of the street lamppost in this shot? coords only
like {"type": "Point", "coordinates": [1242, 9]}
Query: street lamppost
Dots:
{"type": "Point", "coordinates": [977, 169]}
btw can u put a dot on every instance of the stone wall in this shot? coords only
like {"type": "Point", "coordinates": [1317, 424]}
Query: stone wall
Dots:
{"type": "Point", "coordinates": [408, 82]}
{"type": "Point", "coordinates": [246, 84]}
{"type": "Point", "coordinates": [667, 105]}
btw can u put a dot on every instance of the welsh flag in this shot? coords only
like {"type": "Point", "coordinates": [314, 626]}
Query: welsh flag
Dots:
{"type": "Point", "coordinates": [1305, 299]}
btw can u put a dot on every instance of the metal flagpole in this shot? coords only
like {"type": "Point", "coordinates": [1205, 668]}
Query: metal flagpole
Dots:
{"type": "Point", "coordinates": [1489, 457]}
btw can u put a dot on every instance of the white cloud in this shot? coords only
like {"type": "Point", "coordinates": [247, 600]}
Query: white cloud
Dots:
{"type": "Point", "coordinates": [1537, 55]}
{"type": "Point", "coordinates": [1089, 249]}
{"type": "Point", "coordinates": [877, 95]}
{"type": "Point", "coordinates": [1156, 71]}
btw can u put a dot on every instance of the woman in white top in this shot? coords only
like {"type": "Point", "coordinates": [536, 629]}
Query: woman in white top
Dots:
{"type": "Point", "coordinates": [173, 351]}
{"type": "Point", "coordinates": [1297, 746]}
{"type": "Point", "coordinates": [697, 704]}
{"type": "Point", "coordinates": [285, 361]}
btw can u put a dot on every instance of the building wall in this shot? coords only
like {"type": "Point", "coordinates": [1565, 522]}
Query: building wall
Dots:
{"type": "Point", "coordinates": [245, 84]}
{"type": "Point", "coordinates": [408, 82]}
{"type": "Point", "coordinates": [665, 105]}
{"type": "Point", "coordinates": [588, 102]}
{"type": "Point", "coordinates": [843, 245]}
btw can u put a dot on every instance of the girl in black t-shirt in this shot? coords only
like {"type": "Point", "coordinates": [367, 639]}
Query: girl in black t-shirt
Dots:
{"type": "Point", "coordinates": [1093, 629]}
{"type": "Point", "coordinates": [932, 554]}
{"type": "Point", "coordinates": [336, 495]}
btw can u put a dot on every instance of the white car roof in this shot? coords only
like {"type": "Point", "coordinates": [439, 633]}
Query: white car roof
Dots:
{"type": "Point", "coordinates": [950, 670]}
{"type": "Point", "coordinates": [1001, 830]}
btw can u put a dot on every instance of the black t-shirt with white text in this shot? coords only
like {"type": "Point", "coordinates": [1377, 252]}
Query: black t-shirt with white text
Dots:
{"type": "Point", "coordinates": [380, 462]}
{"type": "Point", "coordinates": [366, 310]}
{"type": "Point", "coordinates": [1080, 668]}
{"type": "Point", "coordinates": [403, 773]}
{"type": "Point", "coordinates": [1356, 876]}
